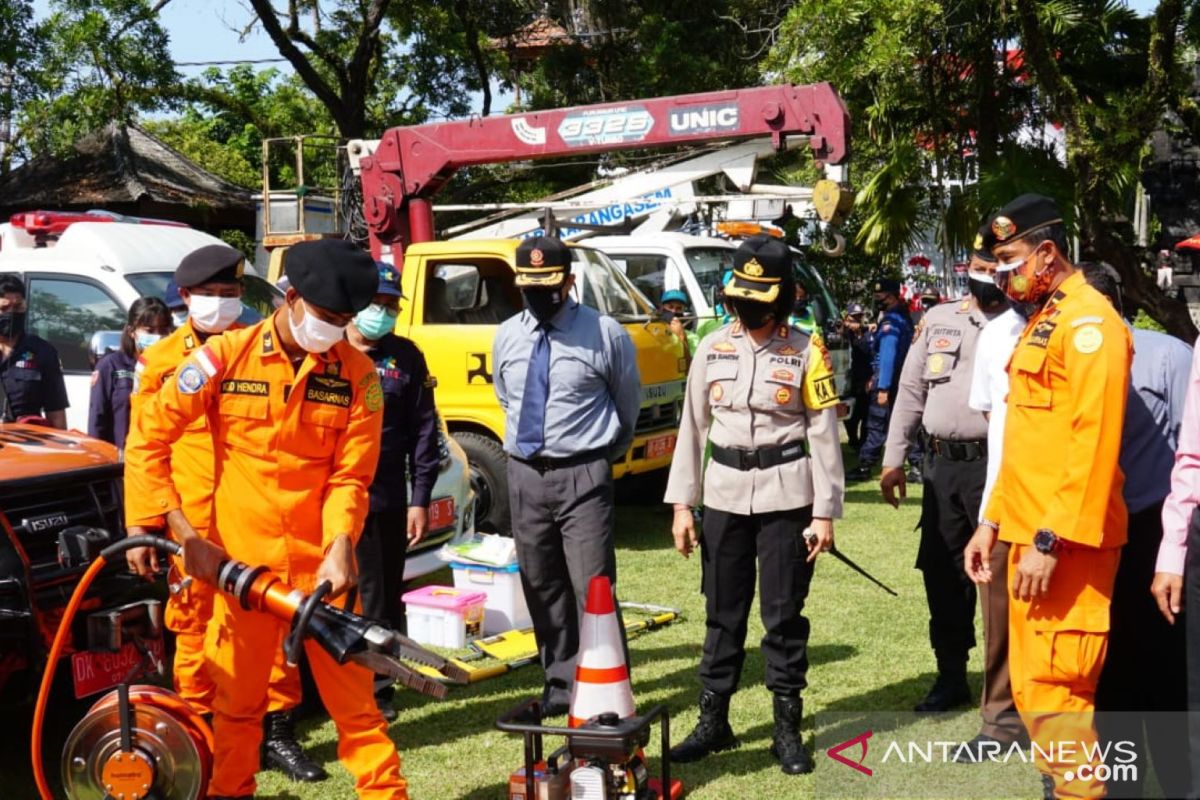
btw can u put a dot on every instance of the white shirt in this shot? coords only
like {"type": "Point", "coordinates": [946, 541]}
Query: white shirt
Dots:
{"type": "Point", "coordinates": [989, 386]}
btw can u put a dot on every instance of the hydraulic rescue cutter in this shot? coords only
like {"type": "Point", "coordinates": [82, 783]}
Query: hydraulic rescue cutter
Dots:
{"type": "Point", "coordinates": [142, 741]}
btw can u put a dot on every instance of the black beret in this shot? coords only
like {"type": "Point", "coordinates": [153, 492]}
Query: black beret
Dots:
{"type": "Point", "coordinates": [888, 286]}
{"type": "Point", "coordinates": [980, 249]}
{"type": "Point", "coordinates": [1021, 217]}
{"type": "Point", "coordinates": [213, 263]}
{"type": "Point", "coordinates": [542, 261]}
{"type": "Point", "coordinates": [760, 265]}
{"type": "Point", "coordinates": [332, 274]}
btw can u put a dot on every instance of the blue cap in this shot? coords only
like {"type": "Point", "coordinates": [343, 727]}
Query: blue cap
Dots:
{"type": "Point", "coordinates": [855, 309]}
{"type": "Point", "coordinates": [674, 295]}
{"type": "Point", "coordinates": [171, 295]}
{"type": "Point", "coordinates": [389, 279]}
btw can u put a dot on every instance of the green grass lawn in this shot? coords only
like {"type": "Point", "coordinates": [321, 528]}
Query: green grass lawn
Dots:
{"type": "Point", "coordinates": [869, 653]}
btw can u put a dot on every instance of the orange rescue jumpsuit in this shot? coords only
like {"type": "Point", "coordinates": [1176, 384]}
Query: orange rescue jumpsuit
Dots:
{"type": "Point", "coordinates": [295, 451]}
{"type": "Point", "coordinates": [1066, 405]}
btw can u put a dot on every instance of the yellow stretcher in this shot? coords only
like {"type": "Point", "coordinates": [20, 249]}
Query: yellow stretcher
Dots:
{"type": "Point", "coordinates": [504, 652]}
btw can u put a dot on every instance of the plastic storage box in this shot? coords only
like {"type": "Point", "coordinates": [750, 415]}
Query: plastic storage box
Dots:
{"type": "Point", "coordinates": [444, 617]}
{"type": "Point", "coordinates": [505, 608]}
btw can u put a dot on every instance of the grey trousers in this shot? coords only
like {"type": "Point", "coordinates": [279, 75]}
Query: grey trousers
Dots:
{"type": "Point", "coordinates": [563, 527]}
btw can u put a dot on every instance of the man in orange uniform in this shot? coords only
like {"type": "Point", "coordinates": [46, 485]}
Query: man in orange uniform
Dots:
{"type": "Point", "coordinates": [209, 281]}
{"type": "Point", "coordinates": [1058, 495]}
{"type": "Point", "coordinates": [293, 410]}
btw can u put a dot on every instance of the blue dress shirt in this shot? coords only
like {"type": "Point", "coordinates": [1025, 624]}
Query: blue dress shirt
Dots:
{"type": "Point", "coordinates": [595, 390]}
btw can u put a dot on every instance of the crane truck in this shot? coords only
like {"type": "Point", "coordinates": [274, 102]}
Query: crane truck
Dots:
{"type": "Point", "coordinates": [458, 292]}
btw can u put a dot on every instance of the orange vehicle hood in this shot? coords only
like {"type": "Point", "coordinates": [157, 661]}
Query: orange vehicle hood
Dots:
{"type": "Point", "coordinates": [30, 450]}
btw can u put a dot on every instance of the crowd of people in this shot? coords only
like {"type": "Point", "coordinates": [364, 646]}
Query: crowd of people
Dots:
{"type": "Point", "coordinates": [1059, 449]}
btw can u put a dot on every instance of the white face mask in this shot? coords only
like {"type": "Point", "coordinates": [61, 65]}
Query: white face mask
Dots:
{"type": "Point", "coordinates": [179, 317]}
{"type": "Point", "coordinates": [313, 334]}
{"type": "Point", "coordinates": [213, 314]}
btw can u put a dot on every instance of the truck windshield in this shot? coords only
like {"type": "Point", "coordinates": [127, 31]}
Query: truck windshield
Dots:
{"type": "Point", "coordinates": [708, 265]}
{"type": "Point", "coordinates": [259, 298]}
{"type": "Point", "coordinates": [603, 287]}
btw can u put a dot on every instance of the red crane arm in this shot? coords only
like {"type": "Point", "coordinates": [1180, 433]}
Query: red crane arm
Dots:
{"type": "Point", "coordinates": [412, 163]}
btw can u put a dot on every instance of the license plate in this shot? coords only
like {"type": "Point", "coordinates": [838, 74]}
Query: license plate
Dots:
{"type": "Point", "coordinates": [441, 513]}
{"type": "Point", "coordinates": [660, 446]}
{"type": "Point", "coordinates": [95, 672]}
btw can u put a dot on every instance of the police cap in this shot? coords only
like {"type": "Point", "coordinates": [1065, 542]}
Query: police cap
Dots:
{"type": "Point", "coordinates": [332, 274]}
{"type": "Point", "coordinates": [760, 265]}
{"type": "Point", "coordinates": [888, 286]}
{"type": "Point", "coordinates": [979, 249]}
{"type": "Point", "coordinates": [213, 263]}
{"type": "Point", "coordinates": [542, 262]}
{"type": "Point", "coordinates": [1027, 214]}
{"type": "Point", "coordinates": [171, 296]}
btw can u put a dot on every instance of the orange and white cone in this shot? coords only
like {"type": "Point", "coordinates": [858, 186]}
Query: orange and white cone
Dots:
{"type": "Point", "coordinates": [601, 674]}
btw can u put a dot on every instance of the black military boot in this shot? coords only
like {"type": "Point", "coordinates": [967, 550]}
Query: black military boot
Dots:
{"type": "Point", "coordinates": [712, 733]}
{"type": "Point", "coordinates": [948, 691]}
{"type": "Point", "coordinates": [281, 751]}
{"type": "Point", "coordinates": [786, 745]}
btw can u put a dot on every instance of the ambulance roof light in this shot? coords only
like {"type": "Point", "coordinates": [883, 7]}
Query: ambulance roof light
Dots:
{"type": "Point", "coordinates": [54, 223]}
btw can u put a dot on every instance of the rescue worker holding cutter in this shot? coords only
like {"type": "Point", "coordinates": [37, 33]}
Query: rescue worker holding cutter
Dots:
{"type": "Point", "coordinates": [766, 401]}
{"type": "Point", "coordinates": [294, 414]}
{"type": "Point", "coordinates": [1058, 496]}
{"type": "Point", "coordinates": [210, 280]}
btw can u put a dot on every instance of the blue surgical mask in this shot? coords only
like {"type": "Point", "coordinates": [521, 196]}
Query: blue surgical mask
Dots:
{"type": "Point", "coordinates": [144, 339]}
{"type": "Point", "coordinates": [375, 321]}
{"type": "Point", "coordinates": [179, 317]}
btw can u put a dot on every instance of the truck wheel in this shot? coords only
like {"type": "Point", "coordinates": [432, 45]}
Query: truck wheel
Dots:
{"type": "Point", "coordinates": [489, 479]}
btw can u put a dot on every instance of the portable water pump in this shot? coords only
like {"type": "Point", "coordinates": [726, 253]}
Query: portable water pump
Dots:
{"type": "Point", "coordinates": [144, 741]}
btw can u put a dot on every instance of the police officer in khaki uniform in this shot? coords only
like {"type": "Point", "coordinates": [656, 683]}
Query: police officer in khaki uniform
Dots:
{"type": "Point", "coordinates": [933, 392]}
{"type": "Point", "coordinates": [756, 391]}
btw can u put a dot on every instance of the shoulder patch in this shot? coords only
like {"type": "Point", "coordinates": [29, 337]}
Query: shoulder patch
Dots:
{"type": "Point", "coordinates": [373, 397]}
{"type": "Point", "coordinates": [208, 361]}
{"type": "Point", "coordinates": [190, 379]}
{"type": "Point", "coordinates": [1075, 323]}
{"type": "Point", "coordinates": [1088, 339]}
{"type": "Point", "coordinates": [430, 382]}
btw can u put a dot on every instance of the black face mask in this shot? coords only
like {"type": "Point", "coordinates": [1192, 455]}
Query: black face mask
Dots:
{"type": "Point", "coordinates": [881, 306]}
{"type": "Point", "coordinates": [752, 314]}
{"type": "Point", "coordinates": [988, 295]}
{"type": "Point", "coordinates": [801, 306]}
{"type": "Point", "coordinates": [12, 324]}
{"type": "Point", "coordinates": [542, 303]}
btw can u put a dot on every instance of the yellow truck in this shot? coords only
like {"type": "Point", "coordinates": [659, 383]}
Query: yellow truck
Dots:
{"type": "Point", "coordinates": [457, 294]}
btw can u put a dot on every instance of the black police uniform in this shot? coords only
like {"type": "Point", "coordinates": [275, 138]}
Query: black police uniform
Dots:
{"type": "Point", "coordinates": [112, 385]}
{"type": "Point", "coordinates": [31, 380]}
{"type": "Point", "coordinates": [408, 445]}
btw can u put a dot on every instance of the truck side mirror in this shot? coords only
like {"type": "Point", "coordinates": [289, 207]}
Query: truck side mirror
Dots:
{"type": "Point", "coordinates": [102, 342]}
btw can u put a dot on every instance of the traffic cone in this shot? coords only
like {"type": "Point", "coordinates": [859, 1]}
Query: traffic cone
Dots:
{"type": "Point", "coordinates": [601, 674]}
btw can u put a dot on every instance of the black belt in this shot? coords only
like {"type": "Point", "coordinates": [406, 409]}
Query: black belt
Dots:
{"type": "Point", "coordinates": [545, 463]}
{"type": "Point", "coordinates": [762, 458]}
{"type": "Point", "coordinates": [953, 450]}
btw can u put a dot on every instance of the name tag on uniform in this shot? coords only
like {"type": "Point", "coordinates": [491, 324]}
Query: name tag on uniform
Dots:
{"type": "Point", "coordinates": [328, 390]}
{"type": "Point", "coordinates": [255, 388]}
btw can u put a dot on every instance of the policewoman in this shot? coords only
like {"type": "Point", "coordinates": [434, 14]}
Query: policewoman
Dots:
{"type": "Point", "coordinates": [756, 392]}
